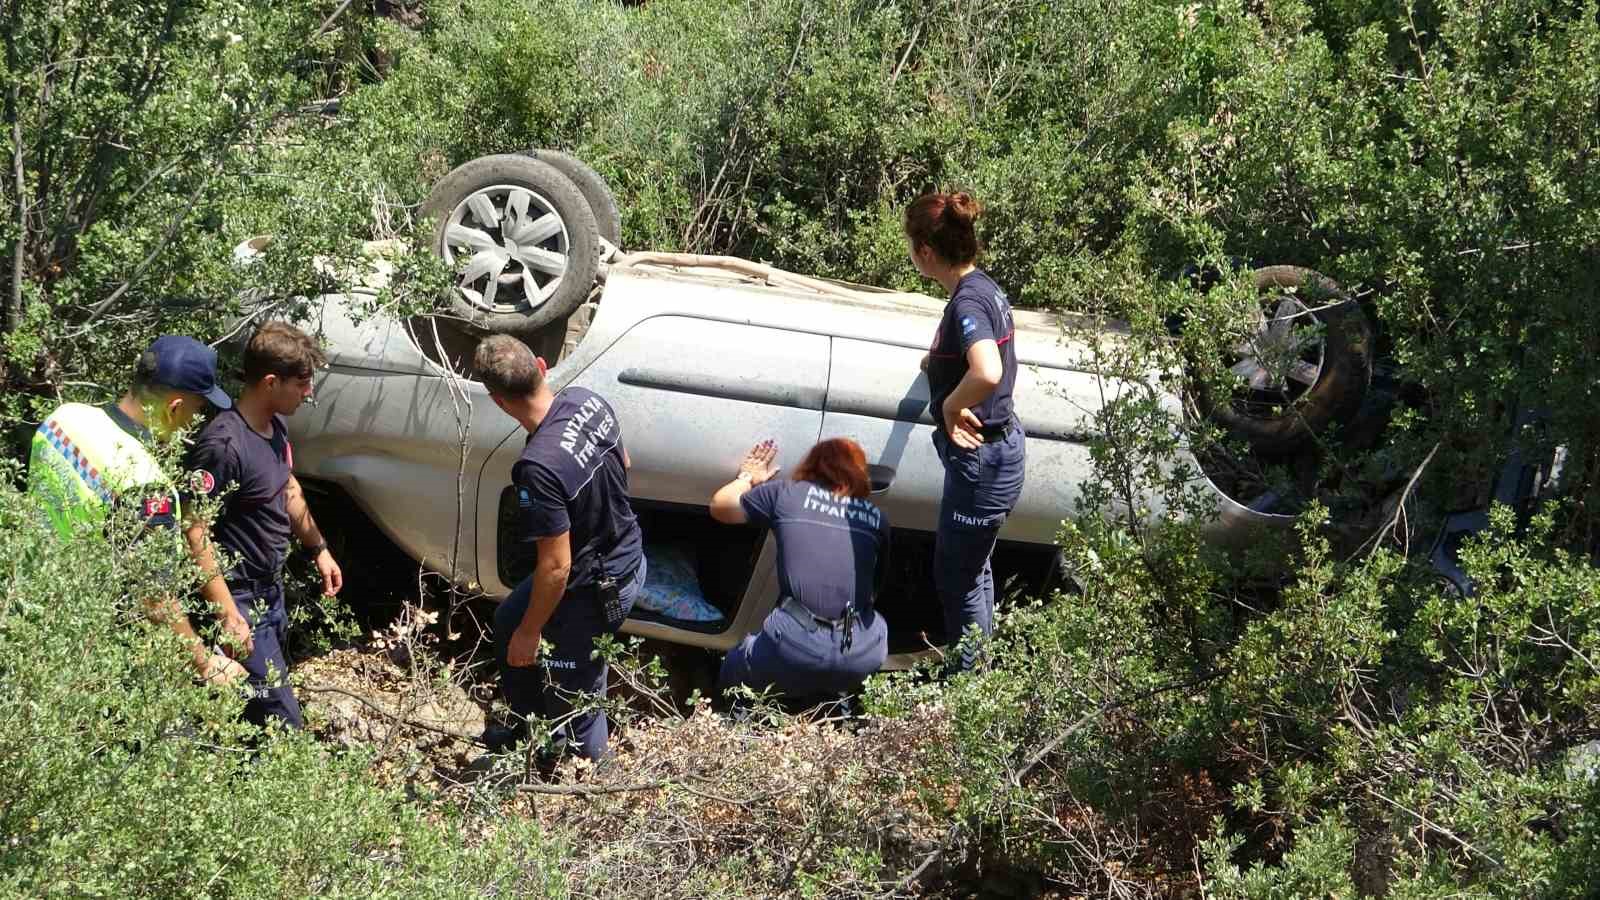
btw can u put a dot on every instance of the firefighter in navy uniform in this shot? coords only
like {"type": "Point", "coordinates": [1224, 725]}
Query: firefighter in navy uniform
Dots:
{"type": "Point", "coordinates": [824, 638]}
{"type": "Point", "coordinates": [244, 456]}
{"type": "Point", "coordinates": [972, 369]}
{"type": "Point", "coordinates": [572, 490]}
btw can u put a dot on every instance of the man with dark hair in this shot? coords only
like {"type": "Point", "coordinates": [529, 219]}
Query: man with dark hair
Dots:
{"type": "Point", "coordinates": [87, 458]}
{"type": "Point", "coordinates": [572, 493]}
{"type": "Point", "coordinates": [244, 454]}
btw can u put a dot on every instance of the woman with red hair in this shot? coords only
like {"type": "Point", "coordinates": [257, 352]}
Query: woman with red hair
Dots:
{"type": "Point", "coordinates": [972, 368]}
{"type": "Point", "coordinates": [824, 638]}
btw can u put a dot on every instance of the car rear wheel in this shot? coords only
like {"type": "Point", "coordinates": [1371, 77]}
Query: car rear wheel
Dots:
{"type": "Point", "coordinates": [521, 238]}
{"type": "Point", "coordinates": [594, 189]}
{"type": "Point", "coordinates": [1304, 365]}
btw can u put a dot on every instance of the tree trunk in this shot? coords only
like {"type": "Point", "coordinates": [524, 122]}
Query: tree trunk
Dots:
{"type": "Point", "coordinates": [14, 302]}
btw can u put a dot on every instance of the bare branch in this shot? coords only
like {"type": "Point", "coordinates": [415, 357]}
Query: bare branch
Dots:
{"type": "Point", "coordinates": [911, 43]}
{"type": "Point", "coordinates": [328, 22]}
{"type": "Point", "coordinates": [1437, 828]}
{"type": "Point", "coordinates": [595, 790]}
{"type": "Point", "coordinates": [166, 238]}
{"type": "Point", "coordinates": [927, 862]}
{"type": "Point", "coordinates": [1399, 507]}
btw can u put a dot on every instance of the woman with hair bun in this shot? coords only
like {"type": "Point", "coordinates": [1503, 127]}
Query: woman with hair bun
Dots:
{"type": "Point", "coordinates": [824, 638]}
{"type": "Point", "coordinates": [972, 369]}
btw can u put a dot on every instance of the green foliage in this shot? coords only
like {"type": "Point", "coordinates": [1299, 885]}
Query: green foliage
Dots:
{"type": "Point", "coordinates": [1113, 144]}
{"type": "Point", "coordinates": [122, 777]}
{"type": "Point", "coordinates": [1358, 734]}
{"type": "Point", "coordinates": [129, 122]}
{"type": "Point", "coordinates": [1332, 727]}
{"type": "Point", "coordinates": [1437, 161]}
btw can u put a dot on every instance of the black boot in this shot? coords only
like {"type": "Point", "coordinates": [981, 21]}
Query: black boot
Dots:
{"type": "Point", "coordinates": [501, 737]}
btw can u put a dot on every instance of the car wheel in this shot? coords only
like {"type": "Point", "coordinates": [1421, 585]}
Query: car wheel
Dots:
{"type": "Point", "coordinates": [594, 188]}
{"type": "Point", "coordinates": [1305, 365]}
{"type": "Point", "coordinates": [521, 238]}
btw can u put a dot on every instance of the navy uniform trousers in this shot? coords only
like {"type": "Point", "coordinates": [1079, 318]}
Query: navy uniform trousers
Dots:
{"type": "Point", "coordinates": [804, 658]}
{"type": "Point", "coordinates": [567, 670]}
{"type": "Point", "coordinates": [261, 604]}
{"type": "Point", "coordinates": [981, 488]}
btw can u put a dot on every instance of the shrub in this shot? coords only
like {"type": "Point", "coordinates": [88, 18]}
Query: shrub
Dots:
{"type": "Point", "coordinates": [1437, 160]}
{"type": "Point", "coordinates": [121, 777]}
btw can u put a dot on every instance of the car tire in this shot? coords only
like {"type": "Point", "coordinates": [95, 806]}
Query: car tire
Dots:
{"type": "Point", "coordinates": [503, 286]}
{"type": "Point", "coordinates": [602, 202]}
{"type": "Point", "coordinates": [1325, 376]}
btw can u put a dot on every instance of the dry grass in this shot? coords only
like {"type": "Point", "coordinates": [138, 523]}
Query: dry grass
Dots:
{"type": "Point", "coordinates": [696, 803]}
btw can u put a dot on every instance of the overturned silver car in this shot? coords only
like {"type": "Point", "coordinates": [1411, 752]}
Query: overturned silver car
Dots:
{"type": "Point", "coordinates": [700, 357]}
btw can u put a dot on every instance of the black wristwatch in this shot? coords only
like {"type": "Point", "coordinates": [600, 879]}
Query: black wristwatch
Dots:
{"type": "Point", "coordinates": [313, 551]}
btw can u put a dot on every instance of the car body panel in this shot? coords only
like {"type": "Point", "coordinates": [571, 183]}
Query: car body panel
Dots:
{"type": "Point", "coordinates": [698, 367]}
{"type": "Point", "coordinates": [683, 385]}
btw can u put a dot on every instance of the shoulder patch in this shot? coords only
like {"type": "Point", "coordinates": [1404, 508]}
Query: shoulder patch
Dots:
{"type": "Point", "coordinates": [202, 481]}
{"type": "Point", "coordinates": [967, 325]}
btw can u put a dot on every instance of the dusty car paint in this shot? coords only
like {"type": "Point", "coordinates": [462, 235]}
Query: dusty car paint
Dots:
{"type": "Point", "coordinates": [698, 366]}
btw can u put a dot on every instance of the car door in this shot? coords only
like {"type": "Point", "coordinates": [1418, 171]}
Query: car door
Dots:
{"type": "Point", "coordinates": [878, 396]}
{"type": "Point", "coordinates": [692, 395]}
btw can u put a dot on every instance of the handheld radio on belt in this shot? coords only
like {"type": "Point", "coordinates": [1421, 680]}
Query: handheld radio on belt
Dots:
{"type": "Point", "coordinates": [610, 591]}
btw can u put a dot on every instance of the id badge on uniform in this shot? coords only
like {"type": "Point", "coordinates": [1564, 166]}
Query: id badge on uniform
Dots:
{"type": "Point", "coordinates": [611, 599]}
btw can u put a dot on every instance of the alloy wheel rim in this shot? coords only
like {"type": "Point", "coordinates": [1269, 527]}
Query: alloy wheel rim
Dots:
{"type": "Point", "coordinates": [510, 248]}
{"type": "Point", "coordinates": [1282, 360]}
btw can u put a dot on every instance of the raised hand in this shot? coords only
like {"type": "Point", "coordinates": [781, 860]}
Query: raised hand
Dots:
{"type": "Point", "coordinates": [760, 463]}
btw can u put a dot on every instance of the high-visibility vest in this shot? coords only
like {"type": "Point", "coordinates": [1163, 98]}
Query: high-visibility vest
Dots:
{"type": "Point", "coordinates": [82, 460]}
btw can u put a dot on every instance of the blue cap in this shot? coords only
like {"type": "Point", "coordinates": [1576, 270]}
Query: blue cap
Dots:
{"type": "Point", "coordinates": [184, 364]}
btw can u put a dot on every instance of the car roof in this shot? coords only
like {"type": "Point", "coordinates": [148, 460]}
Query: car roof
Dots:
{"type": "Point", "coordinates": [831, 307]}
{"type": "Point", "coordinates": [633, 293]}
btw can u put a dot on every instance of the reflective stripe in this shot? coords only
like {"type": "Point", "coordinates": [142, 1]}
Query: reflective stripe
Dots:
{"type": "Point", "coordinates": [81, 459]}
{"type": "Point", "coordinates": [87, 472]}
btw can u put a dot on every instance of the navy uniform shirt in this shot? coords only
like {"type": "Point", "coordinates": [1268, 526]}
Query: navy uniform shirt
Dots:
{"type": "Point", "coordinates": [978, 311]}
{"type": "Point", "coordinates": [253, 525]}
{"type": "Point", "coordinates": [570, 478]}
{"type": "Point", "coordinates": [831, 549]}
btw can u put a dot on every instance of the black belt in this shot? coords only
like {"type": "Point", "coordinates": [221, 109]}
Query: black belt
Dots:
{"type": "Point", "coordinates": [254, 585]}
{"type": "Point", "coordinates": [600, 575]}
{"type": "Point", "coordinates": [810, 620]}
{"type": "Point", "coordinates": [993, 434]}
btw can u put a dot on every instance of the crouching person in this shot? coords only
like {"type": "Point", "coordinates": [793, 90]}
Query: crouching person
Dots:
{"type": "Point", "coordinates": [572, 489]}
{"type": "Point", "coordinates": [824, 638]}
